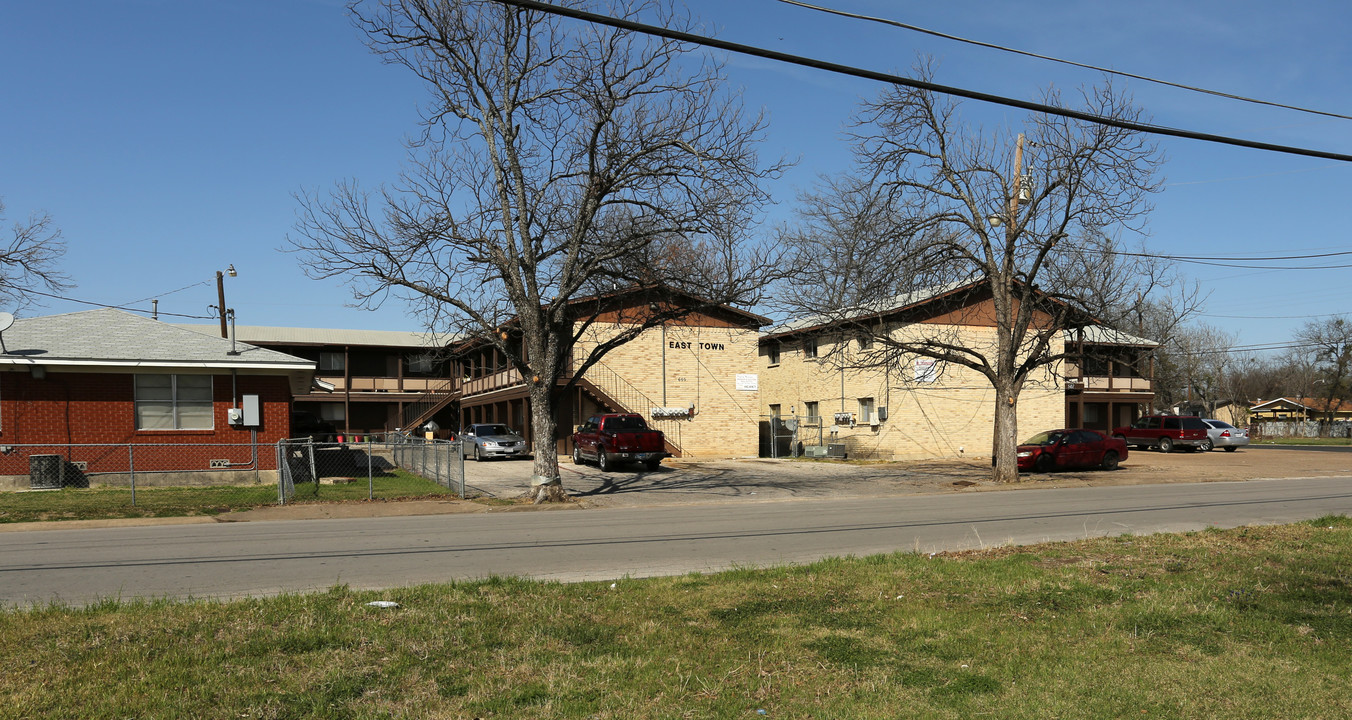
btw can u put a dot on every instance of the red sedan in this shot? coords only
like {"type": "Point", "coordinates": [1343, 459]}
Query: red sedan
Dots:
{"type": "Point", "coordinates": [1056, 449]}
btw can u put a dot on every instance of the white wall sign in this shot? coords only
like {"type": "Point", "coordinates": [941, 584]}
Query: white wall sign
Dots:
{"type": "Point", "coordinates": [926, 370]}
{"type": "Point", "coordinates": [748, 381]}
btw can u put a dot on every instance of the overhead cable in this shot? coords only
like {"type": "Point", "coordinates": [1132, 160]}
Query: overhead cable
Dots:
{"type": "Point", "coordinates": [1016, 51]}
{"type": "Point", "coordinates": [117, 307]}
{"type": "Point", "coordinates": [890, 78]}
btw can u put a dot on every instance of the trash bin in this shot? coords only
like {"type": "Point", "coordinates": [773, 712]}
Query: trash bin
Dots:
{"type": "Point", "coordinates": [44, 472]}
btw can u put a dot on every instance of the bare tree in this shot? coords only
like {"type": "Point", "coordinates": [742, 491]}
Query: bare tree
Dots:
{"type": "Point", "coordinates": [1036, 225]}
{"type": "Point", "coordinates": [1194, 365]}
{"type": "Point", "coordinates": [1328, 343]}
{"type": "Point", "coordinates": [557, 161]}
{"type": "Point", "coordinates": [30, 260]}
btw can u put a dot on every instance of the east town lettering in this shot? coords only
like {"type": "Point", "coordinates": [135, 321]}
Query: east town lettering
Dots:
{"type": "Point", "coordinates": [687, 345]}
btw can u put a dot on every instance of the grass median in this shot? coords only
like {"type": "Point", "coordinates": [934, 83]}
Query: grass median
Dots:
{"type": "Point", "coordinates": [1245, 623]}
{"type": "Point", "coordinates": [101, 503]}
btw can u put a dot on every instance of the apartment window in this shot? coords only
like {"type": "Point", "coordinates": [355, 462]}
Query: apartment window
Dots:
{"type": "Point", "coordinates": [174, 402]}
{"type": "Point", "coordinates": [865, 342]}
{"type": "Point", "coordinates": [810, 348]}
{"type": "Point", "coordinates": [865, 410]}
{"type": "Point", "coordinates": [811, 409]}
{"type": "Point", "coordinates": [333, 412]}
{"type": "Point", "coordinates": [421, 364]}
{"type": "Point", "coordinates": [773, 352]}
{"type": "Point", "coordinates": [331, 362]}
{"type": "Point", "coordinates": [774, 411]}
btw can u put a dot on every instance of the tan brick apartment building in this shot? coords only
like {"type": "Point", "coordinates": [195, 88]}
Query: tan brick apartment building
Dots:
{"type": "Point", "coordinates": [921, 408]}
{"type": "Point", "coordinates": [694, 378]}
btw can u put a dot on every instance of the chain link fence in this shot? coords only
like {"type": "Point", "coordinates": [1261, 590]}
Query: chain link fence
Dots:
{"type": "Point", "coordinates": [790, 436]}
{"type": "Point", "coordinates": [68, 480]}
{"type": "Point", "coordinates": [390, 466]}
{"type": "Point", "coordinates": [1301, 429]}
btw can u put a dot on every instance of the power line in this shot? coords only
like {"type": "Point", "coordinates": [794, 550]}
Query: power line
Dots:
{"type": "Point", "coordinates": [754, 51]}
{"type": "Point", "coordinates": [1016, 51]}
{"type": "Point", "coordinates": [118, 307]}
{"type": "Point", "coordinates": [171, 292]}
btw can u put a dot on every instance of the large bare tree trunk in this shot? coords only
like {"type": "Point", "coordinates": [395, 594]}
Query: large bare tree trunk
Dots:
{"type": "Point", "coordinates": [1006, 439]}
{"type": "Point", "coordinates": [545, 484]}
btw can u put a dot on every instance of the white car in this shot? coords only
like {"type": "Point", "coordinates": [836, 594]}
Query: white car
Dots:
{"type": "Point", "coordinates": [490, 440]}
{"type": "Point", "coordinates": [1221, 434]}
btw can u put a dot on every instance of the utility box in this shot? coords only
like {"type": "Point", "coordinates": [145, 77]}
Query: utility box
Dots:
{"type": "Point", "coordinates": [253, 415]}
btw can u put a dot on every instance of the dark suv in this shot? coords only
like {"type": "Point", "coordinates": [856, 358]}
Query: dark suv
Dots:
{"type": "Point", "coordinates": [1165, 432]}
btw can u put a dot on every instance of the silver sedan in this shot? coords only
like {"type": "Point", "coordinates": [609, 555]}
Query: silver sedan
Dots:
{"type": "Point", "coordinates": [1221, 434]}
{"type": "Point", "coordinates": [492, 440]}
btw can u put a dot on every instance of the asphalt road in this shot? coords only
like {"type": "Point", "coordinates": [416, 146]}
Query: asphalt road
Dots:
{"type": "Point", "coordinates": [260, 558]}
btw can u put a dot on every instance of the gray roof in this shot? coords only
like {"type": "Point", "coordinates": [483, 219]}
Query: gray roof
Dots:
{"type": "Point", "coordinates": [324, 336]}
{"type": "Point", "coordinates": [115, 338]}
{"type": "Point", "coordinates": [1104, 335]}
{"type": "Point", "coordinates": [879, 307]}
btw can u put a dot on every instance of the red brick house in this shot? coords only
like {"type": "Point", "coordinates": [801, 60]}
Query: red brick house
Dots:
{"type": "Point", "coordinates": [107, 377]}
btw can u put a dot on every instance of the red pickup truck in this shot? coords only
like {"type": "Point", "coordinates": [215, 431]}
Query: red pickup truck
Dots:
{"type": "Point", "coordinates": [616, 438]}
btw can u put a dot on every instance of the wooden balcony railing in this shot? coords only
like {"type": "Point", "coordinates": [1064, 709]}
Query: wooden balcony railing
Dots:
{"type": "Point", "coordinates": [389, 384]}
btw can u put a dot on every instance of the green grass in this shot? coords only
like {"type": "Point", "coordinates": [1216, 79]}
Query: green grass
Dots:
{"type": "Point", "coordinates": [1245, 623]}
{"type": "Point", "coordinates": [1304, 441]}
{"type": "Point", "coordinates": [110, 503]}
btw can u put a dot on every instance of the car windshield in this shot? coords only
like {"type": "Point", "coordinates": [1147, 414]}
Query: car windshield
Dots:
{"type": "Point", "coordinates": [1050, 437]}
{"type": "Point", "coordinates": [492, 430]}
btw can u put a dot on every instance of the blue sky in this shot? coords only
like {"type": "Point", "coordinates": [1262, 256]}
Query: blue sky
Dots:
{"type": "Point", "coordinates": [166, 137]}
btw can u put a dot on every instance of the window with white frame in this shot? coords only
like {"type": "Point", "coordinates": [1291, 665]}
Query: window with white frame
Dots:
{"type": "Point", "coordinates": [866, 410]}
{"type": "Point", "coordinates": [773, 353]}
{"type": "Point", "coordinates": [810, 348]}
{"type": "Point", "coordinates": [811, 409]}
{"type": "Point", "coordinates": [174, 402]}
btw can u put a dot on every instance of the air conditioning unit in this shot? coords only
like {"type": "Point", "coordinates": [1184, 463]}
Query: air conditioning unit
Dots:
{"type": "Point", "coordinates": [836, 450]}
{"type": "Point", "coordinates": [814, 451]}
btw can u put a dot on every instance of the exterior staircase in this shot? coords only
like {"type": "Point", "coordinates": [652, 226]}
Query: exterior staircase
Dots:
{"type": "Point", "coordinates": [619, 395]}
{"type": "Point", "coordinates": [417, 413]}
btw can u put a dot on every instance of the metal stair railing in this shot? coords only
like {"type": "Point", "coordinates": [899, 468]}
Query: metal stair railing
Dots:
{"type": "Point", "coordinates": [421, 410]}
{"type": "Point", "coordinates": [622, 394]}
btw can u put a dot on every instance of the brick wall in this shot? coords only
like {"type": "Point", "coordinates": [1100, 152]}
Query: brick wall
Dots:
{"type": "Point", "coordinates": [78, 408]}
{"type": "Point", "coordinates": [702, 364]}
{"type": "Point", "coordinates": [953, 416]}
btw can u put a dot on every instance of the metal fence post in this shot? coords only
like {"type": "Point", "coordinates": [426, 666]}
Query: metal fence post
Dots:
{"type": "Point", "coordinates": [131, 471]}
{"type": "Point", "coordinates": [370, 481]}
{"type": "Point", "coordinates": [460, 461]}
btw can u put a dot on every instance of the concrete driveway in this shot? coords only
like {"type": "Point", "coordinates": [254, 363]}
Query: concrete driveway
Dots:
{"type": "Point", "coordinates": [681, 481]}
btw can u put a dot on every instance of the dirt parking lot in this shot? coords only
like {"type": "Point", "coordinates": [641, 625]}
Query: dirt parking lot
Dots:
{"type": "Point", "coordinates": [684, 481]}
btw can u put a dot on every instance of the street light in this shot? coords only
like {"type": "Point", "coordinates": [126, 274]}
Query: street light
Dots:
{"type": "Point", "coordinates": [220, 295]}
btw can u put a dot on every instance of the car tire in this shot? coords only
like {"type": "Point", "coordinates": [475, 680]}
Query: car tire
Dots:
{"type": "Point", "coordinates": [1044, 463]}
{"type": "Point", "coordinates": [478, 456]}
{"type": "Point", "coordinates": [652, 464]}
{"type": "Point", "coordinates": [1232, 448]}
{"type": "Point", "coordinates": [577, 455]}
{"type": "Point", "coordinates": [1205, 445]}
{"type": "Point", "coordinates": [1110, 460]}
{"type": "Point", "coordinates": [1166, 445]}
{"type": "Point", "coordinates": [603, 460]}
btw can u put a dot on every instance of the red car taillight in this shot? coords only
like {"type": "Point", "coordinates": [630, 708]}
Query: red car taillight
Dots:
{"type": "Point", "coordinates": [1225, 433]}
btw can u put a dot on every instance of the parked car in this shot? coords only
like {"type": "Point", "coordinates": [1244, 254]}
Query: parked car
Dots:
{"type": "Point", "coordinates": [1165, 432]}
{"type": "Point", "coordinates": [1221, 434]}
{"type": "Point", "coordinates": [616, 438]}
{"type": "Point", "coordinates": [490, 440]}
{"type": "Point", "coordinates": [1058, 449]}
